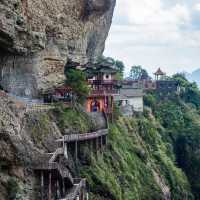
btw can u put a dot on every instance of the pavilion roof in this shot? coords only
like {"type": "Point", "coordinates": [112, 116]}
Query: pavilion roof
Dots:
{"type": "Point", "coordinates": [94, 69]}
{"type": "Point", "coordinates": [159, 72]}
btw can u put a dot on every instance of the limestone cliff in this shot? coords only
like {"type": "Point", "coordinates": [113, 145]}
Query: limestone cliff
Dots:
{"type": "Point", "coordinates": [38, 37]}
{"type": "Point", "coordinates": [26, 138]}
{"type": "Point", "coordinates": [23, 138]}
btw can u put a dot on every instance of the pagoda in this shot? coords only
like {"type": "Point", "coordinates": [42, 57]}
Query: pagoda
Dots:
{"type": "Point", "coordinates": [159, 74]}
{"type": "Point", "coordinates": [104, 86]}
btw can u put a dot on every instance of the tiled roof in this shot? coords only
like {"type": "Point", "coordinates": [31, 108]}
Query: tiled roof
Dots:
{"type": "Point", "coordinates": [129, 93]}
{"type": "Point", "coordinates": [159, 72]}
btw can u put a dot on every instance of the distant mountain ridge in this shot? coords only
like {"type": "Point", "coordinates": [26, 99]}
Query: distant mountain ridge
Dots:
{"type": "Point", "coordinates": [194, 76]}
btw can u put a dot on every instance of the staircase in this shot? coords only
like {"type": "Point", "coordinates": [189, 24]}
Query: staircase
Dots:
{"type": "Point", "coordinates": [76, 189]}
{"type": "Point", "coordinates": [48, 162]}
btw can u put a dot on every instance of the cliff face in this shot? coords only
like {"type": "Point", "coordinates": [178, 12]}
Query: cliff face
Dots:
{"type": "Point", "coordinates": [24, 137]}
{"type": "Point", "coordinates": [38, 37]}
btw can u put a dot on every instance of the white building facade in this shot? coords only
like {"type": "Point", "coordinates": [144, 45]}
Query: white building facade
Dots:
{"type": "Point", "coordinates": [131, 98]}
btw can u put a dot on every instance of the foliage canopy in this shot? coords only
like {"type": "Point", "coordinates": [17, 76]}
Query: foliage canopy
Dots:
{"type": "Point", "coordinates": [76, 80]}
{"type": "Point", "coordinates": [138, 73]}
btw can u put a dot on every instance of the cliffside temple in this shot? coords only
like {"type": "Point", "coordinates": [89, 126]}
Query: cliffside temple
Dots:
{"type": "Point", "coordinates": [74, 125]}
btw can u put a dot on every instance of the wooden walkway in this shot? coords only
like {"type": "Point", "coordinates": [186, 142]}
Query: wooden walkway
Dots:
{"type": "Point", "coordinates": [63, 171]}
{"type": "Point", "coordinates": [83, 137]}
{"type": "Point", "coordinates": [95, 140]}
{"type": "Point", "coordinates": [48, 163]}
{"type": "Point", "coordinates": [39, 107]}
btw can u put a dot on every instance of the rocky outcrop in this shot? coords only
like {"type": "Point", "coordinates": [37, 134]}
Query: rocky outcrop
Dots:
{"type": "Point", "coordinates": [27, 140]}
{"type": "Point", "coordinates": [38, 37]}
{"type": "Point", "coordinates": [24, 138]}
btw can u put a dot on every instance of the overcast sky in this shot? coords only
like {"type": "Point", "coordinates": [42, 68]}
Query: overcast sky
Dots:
{"type": "Point", "coordinates": [156, 33]}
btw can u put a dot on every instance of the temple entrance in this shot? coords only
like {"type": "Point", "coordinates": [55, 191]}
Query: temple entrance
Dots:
{"type": "Point", "coordinates": [95, 106]}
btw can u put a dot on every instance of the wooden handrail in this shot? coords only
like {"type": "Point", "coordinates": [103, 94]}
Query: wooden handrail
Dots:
{"type": "Point", "coordinates": [39, 107]}
{"type": "Point", "coordinates": [80, 183]}
{"type": "Point", "coordinates": [103, 82]}
{"type": "Point", "coordinates": [58, 152]}
{"type": "Point", "coordinates": [104, 91]}
{"type": "Point", "coordinates": [83, 137]}
{"type": "Point", "coordinates": [63, 171]}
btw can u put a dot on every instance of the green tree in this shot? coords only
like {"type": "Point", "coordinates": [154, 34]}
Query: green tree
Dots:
{"type": "Point", "coordinates": [76, 80]}
{"type": "Point", "coordinates": [120, 67]}
{"type": "Point", "coordinates": [189, 91]}
{"type": "Point", "coordinates": [138, 73]}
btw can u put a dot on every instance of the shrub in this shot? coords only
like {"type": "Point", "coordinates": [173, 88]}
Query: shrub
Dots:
{"type": "Point", "coordinates": [76, 80]}
{"type": "Point", "coordinates": [12, 188]}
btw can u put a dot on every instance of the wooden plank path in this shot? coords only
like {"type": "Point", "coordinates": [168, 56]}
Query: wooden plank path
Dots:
{"type": "Point", "coordinates": [39, 107]}
{"type": "Point", "coordinates": [83, 137]}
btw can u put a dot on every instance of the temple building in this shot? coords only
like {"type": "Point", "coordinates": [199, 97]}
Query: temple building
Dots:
{"type": "Point", "coordinates": [104, 86]}
{"type": "Point", "coordinates": [165, 85]}
{"type": "Point", "coordinates": [130, 98]}
{"type": "Point", "coordinates": [58, 94]}
{"type": "Point", "coordinates": [145, 84]}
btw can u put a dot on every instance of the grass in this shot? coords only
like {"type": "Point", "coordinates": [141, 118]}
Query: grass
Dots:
{"type": "Point", "coordinates": [135, 151]}
{"type": "Point", "coordinates": [74, 120]}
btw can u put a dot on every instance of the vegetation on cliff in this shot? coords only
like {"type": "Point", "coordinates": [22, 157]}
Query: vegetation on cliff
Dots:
{"type": "Point", "coordinates": [180, 119]}
{"type": "Point", "coordinates": [72, 120]}
{"type": "Point", "coordinates": [164, 141]}
{"type": "Point", "coordinates": [135, 156]}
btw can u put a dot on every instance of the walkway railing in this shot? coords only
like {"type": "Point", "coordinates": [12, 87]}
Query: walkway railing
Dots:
{"type": "Point", "coordinates": [83, 137]}
{"type": "Point", "coordinates": [104, 92]}
{"type": "Point", "coordinates": [76, 190]}
{"type": "Point", "coordinates": [58, 152]}
{"type": "Point", "coordinates": [63, 171]}
{"type": "Point", "coordinates": [39, 107]}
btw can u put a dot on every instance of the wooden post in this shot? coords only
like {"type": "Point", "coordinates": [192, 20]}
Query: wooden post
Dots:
{"type": "Point", "coordinates": [90, 142]}
{"type": "Point", "coordinates": [65, 150]}
{"type": "Point", "coordinates": [112, 100]}
{"type": "Point", "coordinates": [101, 138]}
{"type": "Point", "coordinates": [76, 150]}
{"type": "Point", "coordinates": [42, 185]}
{"type": "Point", "coordinates": [63, 142]}
{"type": "Point", "coordinates": [97, 146]}
{"type": "Point", "coordinates": [105, 142]}
{"type": "Point", "coordinates": [63, 183]}
{"type": "Point", "coordinates": [90, 145]}
{"type": "Point", "coordinates": [57, 189]}
{"type": "Point", "coordinates": [50, 176]}
{"type": "Point", "coordinates": [83, 194]}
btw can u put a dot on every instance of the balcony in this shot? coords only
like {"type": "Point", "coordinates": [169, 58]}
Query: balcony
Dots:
{"type": "Point", "coordinates": [103, 82]}
{"type": "Point", "coordinates": [104, 92]}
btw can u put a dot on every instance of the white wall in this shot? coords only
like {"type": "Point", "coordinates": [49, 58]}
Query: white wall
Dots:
{"type": "Point", "coordinates": [107, 77]}
{"type": "Point", "coordinates": [137, 103]}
